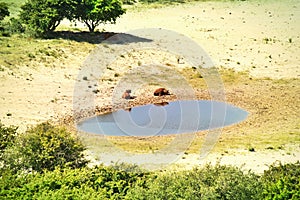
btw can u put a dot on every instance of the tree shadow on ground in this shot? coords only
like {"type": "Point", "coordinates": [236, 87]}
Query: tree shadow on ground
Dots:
{"type": "Point", "coordinates": [97, 37]}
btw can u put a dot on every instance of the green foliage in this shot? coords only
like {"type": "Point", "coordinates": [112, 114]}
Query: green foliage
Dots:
{"type": "Point", "coordinates": [44, 147]}
{"type": "Point", "coordinates": [95, 12]}
{"type": "Point", "coordinates": [3, 10]}
{"type": "Point", "coordinates": [219, 182]}
{"type": "Point", "coordinates": [125, 181]}
{"type": "Point", "coordinates": [85, 183]}
{"type": "Point", "coordinates": [282, 182]}
{"type": "Point", "coordinates": [12, 26]}
{"type": "Point", "coordinates": [43, 16]}
{"type": "Point", "coordinates": [7, 137]}
{"type": "Point", "coordinates": [3, 13]}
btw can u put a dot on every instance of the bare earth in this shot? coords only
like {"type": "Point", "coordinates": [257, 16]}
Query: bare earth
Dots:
{"type": "Point", "coordinates": [261, 39]}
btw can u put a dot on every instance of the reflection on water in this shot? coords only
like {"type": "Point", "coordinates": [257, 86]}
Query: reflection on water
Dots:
{"type": "Point", "coordinates": [166, 118]}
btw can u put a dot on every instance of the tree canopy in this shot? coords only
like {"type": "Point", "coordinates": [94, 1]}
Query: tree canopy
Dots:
{"type": "Point", "coordinates": [43, 16]}
{"type": "Point", "coordinates": [95, 12]}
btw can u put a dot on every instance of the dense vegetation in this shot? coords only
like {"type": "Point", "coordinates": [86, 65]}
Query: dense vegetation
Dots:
{"type": "Point", "coordinates": [43, 147]}
{"type": "Point", "coordinates": [41, 17]}
{"type": "Point", "coordinates": [47, 162]}
{"type": "Point", "coordinates": [3, 10]}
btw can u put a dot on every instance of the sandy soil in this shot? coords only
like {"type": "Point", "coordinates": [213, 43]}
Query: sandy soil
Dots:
{"type": "Point", "coordinates": [260, 38]}
{"type": "Point", "coordinates": [233, 33]}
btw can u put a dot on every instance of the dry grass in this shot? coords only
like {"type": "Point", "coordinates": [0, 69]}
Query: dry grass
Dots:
{"type": "Point", "coordinates": [19, 51]}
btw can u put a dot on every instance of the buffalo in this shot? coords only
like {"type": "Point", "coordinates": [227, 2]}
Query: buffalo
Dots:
{"type": "Point", "coordinates": [161, 92]}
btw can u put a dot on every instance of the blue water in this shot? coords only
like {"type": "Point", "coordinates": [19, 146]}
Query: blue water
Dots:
{"type": "Point", "coordinates": [174, 118]}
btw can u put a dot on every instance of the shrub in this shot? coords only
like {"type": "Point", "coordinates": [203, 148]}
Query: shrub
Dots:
{"type": "Point", "coordinates": [219, 182]}
{"type": "Point", "coordinates": [12, 26]}
{"type": "Point", "coordinates": [3, 13]}
{"type": "Point", "coordinates": [282, 181]}
{"type": "Point", "coordinates": [85, 183]}
{"type": "Point", "coordinates": [210, 182]}
{"type": "Point", "coordinates": [45, 147]}
{"type": "Point", "coordinates": [3, 10]}
{"type": "Point", "coordinates": [7, 137]}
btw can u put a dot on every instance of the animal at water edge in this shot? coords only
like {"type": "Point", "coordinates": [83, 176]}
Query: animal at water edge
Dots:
{"type": "Point", "coordinates": [161, 104]}
{"type": "Point", "coordinates": [161, 92]}
{"type": "Point", "coordinates": [126, 94]}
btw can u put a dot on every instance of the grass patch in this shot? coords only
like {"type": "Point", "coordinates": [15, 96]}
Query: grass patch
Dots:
{"type": "Point", "coordinates": [231, 77]}
{"type": "Point", "coordinates": [17, 50]}
{"type": "Point", "coordinates": [193, 77]}
{"type": "Point", "coordinates": [99, 144]}
{"type": "Point", "coordinates": [256, 141]}
{"type": "Point", "coordinates": [228, 76]}
{"type": "Point", "coordinates": [141, 144]}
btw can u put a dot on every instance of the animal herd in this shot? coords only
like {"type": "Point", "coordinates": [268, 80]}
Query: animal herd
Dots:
{"type": "Point", "coordinates": [157, 92]}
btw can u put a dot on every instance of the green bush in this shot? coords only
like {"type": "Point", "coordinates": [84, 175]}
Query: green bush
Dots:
{"type": "Point", "coordinates": [219, 182]}
{"type": "Point", "coordinates": [3, 13]}
{"type": "Point", "coordinates": [282, 181]}
{"type": "Point", "coordinates": [12, 26]}
{"type": "Point", "coordinates": [3, 10]}
{"type": "Point", "coordinates": [85, 183]}
{"type": "Point", "coordinates": [129, 182]}
{"type": "Point", "coordinates": [44, 147]}
{"type": "Point", "coordinates": [7, 137]}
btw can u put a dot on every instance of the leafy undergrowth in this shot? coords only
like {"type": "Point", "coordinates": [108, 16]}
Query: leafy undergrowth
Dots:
{"type": "Point", "coordinates": [122, 181]}
{"type": "Point", "coordinates": [282, 181]}
{"type": "Point", "coordinates": [113, 182]}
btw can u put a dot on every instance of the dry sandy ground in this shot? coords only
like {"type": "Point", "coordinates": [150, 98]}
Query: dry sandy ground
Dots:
{"type": "Point", "coordinates": [261, 38]}
{"type": "Point", "coordinates": [233, 33]}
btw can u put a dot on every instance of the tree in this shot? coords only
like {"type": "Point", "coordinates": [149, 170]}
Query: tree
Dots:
{"type": "Point", "coordinates": [45, 147]}
{"type": "Point", "coordinates": [43, 16]}
{"type": "Point", "coordinates": [3, 10]}
{"type": "Point", "coordinates": [95, 12]}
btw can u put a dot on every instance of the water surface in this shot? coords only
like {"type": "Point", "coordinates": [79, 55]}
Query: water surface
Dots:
{"type": "Point", "coordinates": [169, 118]}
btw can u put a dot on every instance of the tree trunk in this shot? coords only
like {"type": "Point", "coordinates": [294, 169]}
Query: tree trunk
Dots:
{"type": "Point", "coordinates": [90, 26]}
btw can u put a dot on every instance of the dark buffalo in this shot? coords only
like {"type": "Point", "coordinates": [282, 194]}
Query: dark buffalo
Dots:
{"type": "Point", "coordinates": [161, 92]}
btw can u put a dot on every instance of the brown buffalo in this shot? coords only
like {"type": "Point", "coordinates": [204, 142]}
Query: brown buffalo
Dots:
{"type": "Point", "coordinates": [161, 92]}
